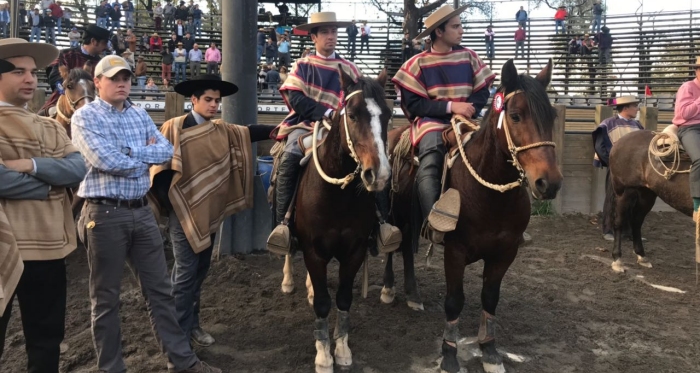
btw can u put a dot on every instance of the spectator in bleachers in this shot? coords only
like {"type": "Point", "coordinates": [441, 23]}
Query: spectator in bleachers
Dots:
{"type": "Point", "coordinates": [145, 43]}
{"type": "Point", "coordinates": [140, 72]}
{"type": "Point", "coordinates": [57, 14]}
{"type": "Point", "coordinates": [128, 9]}
{"type": "Point", "coordinates": [156, 43]}
{"type": "Point", "coordinates": [283, 51]}
{"type": "Point", "coordinates": [273, 79]}
{"type": "Point", "coordinates": [119, 44]}
{"type": "Point", "coordinates": [129, 57]}
{"type": "Point", "coordinates": [306, 52]}
{"type": "Point", "coordinates": [260, 41]}
{"type": "Point", "coordinates": [352, 32]}
{"type": "Point", "coordinates": [575, 45]}
{"type": "Point", "coordinates": [521, 17]}
{"type": "Point", "coordinates": [158, 16]}
{"type": "Point", "coordinates": [587, 45]}
{"type": "Point", "coordinates": [560, 20]}
{"type": "Point", "coordinates": [166, 66]}
{"type": "Point", "coordinates": [197, 18]}
{"type": "Point", "coordinates": [262, 76]}
{"type": "Point", "coordinates": [179, 30]}
{"type": "Point", "coordinates": [74, 37]}
{"type": "Point", "coordinates": [4, 20]}
{"type": "Point", "coordinates": [520, 37]}
{"type": "Point", "coordinates": [597, 16]}
{"type": "Point", "coordinates": [151, 86]}
{"type": "Point", "coordinates": [270, 51]}
{"type": "Point", "coordinates": [489, 36]}
{"type": "Point", "coordinates": [101, 13]}
{"type": "Point", "coordinates": [67, 18]}
{"type": "Point", "coordinates": [195, 57]}
{"type": "Point", "coordinates": [116, 16]}
{"type": "Point", "coordinates": [131, 40]}
{"type": "Point", "coordinates": [180, 56]}
{"type": "Point", "coordinates": [49, 28]}
{"type": "Point", "coordinates": [406, 47]}
{"type": "Point", "coordinates": [188, 42]}
{"type": "Point", "coordinates": [366, 31]}
{"type": "Point", "coordinates": [166, 87]}
{"type": "Point", "coordinates": [22, 15]}
{"type": "Point", "coordinates": [169, 14]}
{"type": "Point", "coordinates": [213, 59]}
{"type": "Point", "coordinates": [283, 74]}
{"type": "Point", "coordinates": [37, 22]}
{"type": "Point", "coordinates": [172, 43]}
{"type": "Point", "coordinates": [182, 13]}
{"type": "Point", "coordinates": [604, 41]}
{"type": "Point", "coordinates": [189, 27]}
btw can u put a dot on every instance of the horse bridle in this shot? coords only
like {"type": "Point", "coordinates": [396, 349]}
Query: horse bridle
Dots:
{"type": "Point", "coordinates": [514, 150]}
{"type": "Point", "coordinates": [351, 176]}
{"type": "Point", "coordinates": [73, 104]}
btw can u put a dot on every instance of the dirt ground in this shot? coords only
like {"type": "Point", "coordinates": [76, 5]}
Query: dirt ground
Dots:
{"type": "Point", "coordinates": [562, 310]}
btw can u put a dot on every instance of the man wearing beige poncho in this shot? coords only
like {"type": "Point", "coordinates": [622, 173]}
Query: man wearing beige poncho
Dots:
{"type": "Point", "coordinates": [209, 178]}
{"type": "Point", "coordinates": [38, 164]}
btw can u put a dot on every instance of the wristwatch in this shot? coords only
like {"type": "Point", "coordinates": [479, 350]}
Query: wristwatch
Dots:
{"type": "Point", "coordinates": [126, 151]}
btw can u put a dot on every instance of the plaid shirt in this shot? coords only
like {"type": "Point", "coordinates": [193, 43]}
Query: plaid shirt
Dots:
{"type": "Point", "coordinates": [100, 132]}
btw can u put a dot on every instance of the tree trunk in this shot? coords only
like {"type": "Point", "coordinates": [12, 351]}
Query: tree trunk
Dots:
{"type": "Point", "coordinates": [413, 15]}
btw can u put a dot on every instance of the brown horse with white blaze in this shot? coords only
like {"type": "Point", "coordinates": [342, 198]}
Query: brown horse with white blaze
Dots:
{"type": "Point", "coordinates": [494, 202]}
{"type": "Point", "coordinates": [335, 207]}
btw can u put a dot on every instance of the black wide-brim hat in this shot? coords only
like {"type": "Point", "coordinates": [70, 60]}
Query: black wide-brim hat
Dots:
{"type": "Point", "coordinates": [6, 67]}
{"type": "Point", "coordinates": [206, 81]}
{"type": "Point", "coordinates": [97, 32]}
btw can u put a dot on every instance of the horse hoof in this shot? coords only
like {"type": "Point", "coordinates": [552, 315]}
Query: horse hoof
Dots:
{"type": "Point", "coordinates": [287, 289]}
{"type": "Point", "coordinates": [415, 306]}
{"type": "Point", "coordinates": [63, 348]}
{"type": "Point", "coordinates": [618, 267]}
{"type": "Point", "coordinates": [311, 300]}
{"type": "Point", "coordinates": [494, 368]}
{"type": "Point", "coordinates": [642, 261]}
{"type": "Point", "coordinates": [387, 296]}
{"type": "Point", "coordinates": [322, 369]}
{"type": "Point", "coordinates": [449, 363]}
{"type": "Point", "coordinates": [343, 355]}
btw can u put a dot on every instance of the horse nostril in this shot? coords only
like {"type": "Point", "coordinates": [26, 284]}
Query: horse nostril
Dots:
{"type": "Point", "coordinates": [542, 185]}
{"type": "Point", "coordinates": [368, 176]}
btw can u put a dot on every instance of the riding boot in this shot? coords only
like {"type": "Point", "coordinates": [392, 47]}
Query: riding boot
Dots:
{"type": "Point", "coordinates": [279, 241]}
{"type": "Point", "coordinates": [441, 211]}
{"type": "Point", "coordinates": [388, 236]}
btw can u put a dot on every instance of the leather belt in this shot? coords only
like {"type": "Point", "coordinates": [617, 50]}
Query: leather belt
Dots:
{"type": "Point", "coordinates": [128, 203]}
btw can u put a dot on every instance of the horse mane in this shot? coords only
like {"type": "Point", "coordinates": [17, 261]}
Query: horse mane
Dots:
{"type": "Point", "coordinates": [541, 110]}
{"type": "Point", "coordinates": [76, 75]}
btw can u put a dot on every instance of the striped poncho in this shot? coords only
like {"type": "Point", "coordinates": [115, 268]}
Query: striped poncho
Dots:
{"type": "Point", "coordinates": [317, 78]}
{"type": "Point", "coordinates": [451, 76]}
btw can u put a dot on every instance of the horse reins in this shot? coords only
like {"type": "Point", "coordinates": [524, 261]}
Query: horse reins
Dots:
{"type": "Point", "coordinates": [514, 150]}
{"type": "Point", "coordinates": [351, 176]}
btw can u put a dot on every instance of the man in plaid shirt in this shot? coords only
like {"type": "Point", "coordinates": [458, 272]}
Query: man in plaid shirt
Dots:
{"type": "Point", "coordinates": [119, 142]}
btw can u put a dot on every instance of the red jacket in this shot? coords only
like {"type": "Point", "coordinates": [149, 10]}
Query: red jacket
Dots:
{"type": "Point", "coordinates": [56, 10]}
{"type": "Point", "coordinates": [520, 35]}
{"type": "Point", "coordinates": [560, 15]}
{"type": "Point", "coordinates": [156, 41]}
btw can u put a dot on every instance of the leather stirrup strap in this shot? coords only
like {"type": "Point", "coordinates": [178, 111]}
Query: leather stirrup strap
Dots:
{"type": "Point", "coordinates": [288, 215]}
{"type": "Point", "coordinates": [444, 173]}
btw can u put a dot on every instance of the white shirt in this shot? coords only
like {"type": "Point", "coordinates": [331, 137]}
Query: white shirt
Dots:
{"type": "Point", "coordinates": [368, 30]}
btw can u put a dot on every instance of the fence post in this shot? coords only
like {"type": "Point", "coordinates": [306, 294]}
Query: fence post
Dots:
{"type": "Point", "coordinates": [558, 138]}
{"type": "Point", "coordinates": [174, 105]}
{"type": "Point", "coordinates": [649, 117]}
{"type": "Point", "coordinates": [602, 112]}
{"type": "Point", "coordinates": [37, 101]}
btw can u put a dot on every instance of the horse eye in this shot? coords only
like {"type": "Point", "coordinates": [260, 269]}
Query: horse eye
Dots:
{"type": "Point", "coordinates": [515, 117]}
{"type": "Point", "coordinates": [352, 117]}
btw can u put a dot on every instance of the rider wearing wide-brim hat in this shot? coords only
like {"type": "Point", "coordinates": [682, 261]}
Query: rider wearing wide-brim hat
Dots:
{"type": "Point", "coordinates": [312, 92]}
{"type": "Point", "coordinates": [445, 80]}
{"type": "Point", "coordinates": [604, 137]}
{"type": "Point", "coordinates": [687, 117]}
{"type": "Point", "coordinates": [202, 160]}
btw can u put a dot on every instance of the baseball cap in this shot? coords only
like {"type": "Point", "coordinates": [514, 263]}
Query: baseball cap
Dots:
{"type": "Point", "coordinates": [110, 65]}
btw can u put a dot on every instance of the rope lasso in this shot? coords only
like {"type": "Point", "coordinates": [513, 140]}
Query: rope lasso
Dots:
{"type": "Point", "coordinates": [661, 152]}
{"type": "Point", "coordinates": [343, 182]}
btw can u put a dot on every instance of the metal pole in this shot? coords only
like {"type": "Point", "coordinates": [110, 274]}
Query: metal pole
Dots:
{"type": "Point", "coordinates": [246, 231]}
{"type": "Point", "coordinates": [14, 18]}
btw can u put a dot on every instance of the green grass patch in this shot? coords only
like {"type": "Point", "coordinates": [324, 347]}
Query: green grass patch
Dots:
{"type": "Point", "coordinates": [542, 208]}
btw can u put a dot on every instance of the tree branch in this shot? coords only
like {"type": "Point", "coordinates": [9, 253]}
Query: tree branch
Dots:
{"type": "Point", "coordinates": [381, 8]}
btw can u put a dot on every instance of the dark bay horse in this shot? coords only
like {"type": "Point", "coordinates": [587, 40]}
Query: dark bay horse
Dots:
{"type": "Point", "coordinates": [636, 185]}
{"type": "Point", "coordinates": [491, 223]}
{"type": "Point", "coordinates": [334, 222]}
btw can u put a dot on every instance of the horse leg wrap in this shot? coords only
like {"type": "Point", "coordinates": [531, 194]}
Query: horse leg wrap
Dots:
{"type": "Point", "coordinates": [451, 333]}
{"type": "Point", "coordinates": [321, 329]}
{"type": "Point", "coordinates": [342, 324]}
{"type": "Point", "coordinates": [487, 328]}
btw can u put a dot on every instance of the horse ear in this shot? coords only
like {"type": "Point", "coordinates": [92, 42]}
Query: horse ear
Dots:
{"type": "Point", "coordinates": [63, 70]}
{"type": "Point", "coordinates": [345, 79]}
{"type": "Point", "coordinates": [509, 76]}
{"type": "Point", "coordinates": [382, 78]}
{"type": "Point", "coordinates": [545, 76]}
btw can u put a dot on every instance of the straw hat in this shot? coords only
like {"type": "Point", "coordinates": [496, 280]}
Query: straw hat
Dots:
{"type": "Point", "coordinates": [42, 53]}
{"type": "Point", "coordinates": [624, 100]}
{"type": "Point", "coordinates": [322, 19]}
{"type": "Point", "coordinates": [155, 34]}
{"type": "Point", "coordinates": [439, 17]}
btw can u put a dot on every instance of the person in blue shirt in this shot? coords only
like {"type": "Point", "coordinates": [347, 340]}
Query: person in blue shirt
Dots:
{"type": "Point", "coordinates": [197, 19]}
{"type": "Point", "coordinates": [283, 51]}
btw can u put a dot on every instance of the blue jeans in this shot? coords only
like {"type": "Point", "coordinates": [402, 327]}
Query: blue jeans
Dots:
{"type": "Point", "coordinates": [74, 44]}
{"type": "Point", "coordinates": [36, 34]}
{"type": "Point", "coordinates": [180, 68]}
{"type": "Point", "coordinates": [50, 35]}
{"type": "Point", "coordinates": [115, 25]}
{"type": "Point", "coordinates": [189, 272]}
{"type": "Point", "coordinates": [198, 26]}
{"type": "Point", "coordinates": [260, 52]}
{"type": "Point", "coordinates": [597, 20]}
{"type": "Point", "coordinates": [690, 138]}
{"type": "Point", "coordinates": [58, 23]}
{"type": "Point", "coordinates": [102, 22]}
{"type": "Point", "coordinates": [142, 82]}
{"type": "Point", "coordinates": [490, 51]}
{"type": "Point", "coordinates": [556, 27]}
{"type": "Point", "coordinates": [129, 19]}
